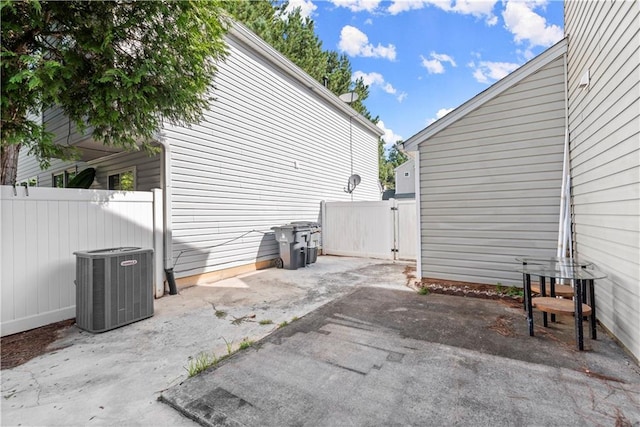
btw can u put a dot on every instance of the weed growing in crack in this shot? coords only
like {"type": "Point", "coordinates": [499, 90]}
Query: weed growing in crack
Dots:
{"type": "Point", "coordinates": [200, 363]}
{"type": "Point", "coordinates": [246, 343]}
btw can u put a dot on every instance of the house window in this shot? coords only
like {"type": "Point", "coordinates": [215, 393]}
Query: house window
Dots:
{"type": "Point", "coordinates": [407, 174]}
{"type": "Point", "coordinates": [123, 181]}
{"type": "Point", "coordinates": [61, 179]}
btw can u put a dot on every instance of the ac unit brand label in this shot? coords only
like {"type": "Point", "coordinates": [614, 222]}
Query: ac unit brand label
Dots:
{"type": "Point", "coordinates": [128, 262]}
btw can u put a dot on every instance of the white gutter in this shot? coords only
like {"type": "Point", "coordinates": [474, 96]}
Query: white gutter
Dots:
{"type": "Point", "coordinates": [165, 171]}
{"type": "Point", "coordinates": [416, 177]}
{"type": "Point", "coordinates": [564, 223]}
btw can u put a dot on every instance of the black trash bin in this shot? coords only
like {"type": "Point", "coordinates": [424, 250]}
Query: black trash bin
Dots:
{"type": "Point", "coordinates": [292, 239]}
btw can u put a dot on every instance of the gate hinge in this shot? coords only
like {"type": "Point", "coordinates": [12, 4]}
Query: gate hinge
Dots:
{"type": "Point", "coordinates": [394, 250]}
{"type": "Point", "coordinates": [394, 209]}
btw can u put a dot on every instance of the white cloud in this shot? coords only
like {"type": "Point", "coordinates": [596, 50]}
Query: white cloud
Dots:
{"type": "Point", "coordinates": [306, 7]}
{"type": "Point", "coordinates": [356, 43]}
{"type": "Point", "coordinates": [389, 137]}
{"type": "Point", "coordinates": [435, 64]}
{"type": "Point", "coordinates": [489, 72]}
{"type": "Point", "coordinates": [368, 21]}
{"type": "Point", "coordinates": [440, 114]}
{"type": "Point", "coordinates": [376, 79]}
{"type": "Point", "coordinates": [480, 9]}
{"type": "Point", "coordinates": [527, 26]}
{"type": "Point", "coordinates": [357, 5]}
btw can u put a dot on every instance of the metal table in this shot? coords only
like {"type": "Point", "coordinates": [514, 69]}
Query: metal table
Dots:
{"type": "Point", "coordinates": [551, 262]}
{"type": "Point", "coordinates": [582, 281]}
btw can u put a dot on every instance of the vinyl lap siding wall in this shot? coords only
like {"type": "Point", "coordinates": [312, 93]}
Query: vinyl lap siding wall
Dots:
{"type": "Point", "coordinates": [490, 183]}
{"type": "Point", "coordinates": [266, 154]}
{"type": "Point", "coordinates": [605, 155]}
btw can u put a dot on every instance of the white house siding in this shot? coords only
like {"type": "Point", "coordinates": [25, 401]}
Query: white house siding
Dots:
{"type": "Point", "coordinates": [405, 184]}
{"type": "Point", "coordinates": [604, 122]}
{"type": "Point", "coordinates": [490, 182]}
{"type": "Point", "coordinates": [267, 153]}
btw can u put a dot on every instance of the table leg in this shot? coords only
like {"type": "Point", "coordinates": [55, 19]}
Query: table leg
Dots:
{"type": "Point", "coordinates": [527, 300]}
{"type": "Point", "coordinates": [543, 291]}
{"type": "Point", "coordinates": [592, 303]}
{"type": "Point", "coordinates": [552, 291]}
{"type": "Point", "coordinates": [577, 298]}
{"type": "Point", "coordinates": [524, 286]}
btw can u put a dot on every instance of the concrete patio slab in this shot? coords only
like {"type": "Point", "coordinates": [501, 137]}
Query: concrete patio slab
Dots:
{"type": "Point", "coordinates": [115, 378]}
{"type": "Point", "coordinates": [387, 357]}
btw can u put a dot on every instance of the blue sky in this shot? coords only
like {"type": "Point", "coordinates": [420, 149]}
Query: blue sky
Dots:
{"type": "Point", "coordinates": [423, 58]}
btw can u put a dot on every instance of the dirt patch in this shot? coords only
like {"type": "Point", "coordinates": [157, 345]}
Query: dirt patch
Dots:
{"type": "Point", "coordinates": [19, 348]}
{"type": "Point", "coordinates": [475, 290]}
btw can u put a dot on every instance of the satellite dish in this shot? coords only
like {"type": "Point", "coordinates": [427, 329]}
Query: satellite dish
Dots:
{"type": "Point", "coordinates": [349, 97]}
{"type": "Point", "coordinates": [353, 182]}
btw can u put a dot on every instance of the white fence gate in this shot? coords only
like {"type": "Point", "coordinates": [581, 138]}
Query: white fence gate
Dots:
{"type": "Point", "coordinates": [383, 229]}
{"type": "Point", "coordinates": [40, 230]}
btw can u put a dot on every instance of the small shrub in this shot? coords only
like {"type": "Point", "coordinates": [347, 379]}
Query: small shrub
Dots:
{"type": "Point", "coordinates": [423, 291]}
{"type": "Point", "coordinates": [266, 322]}
{"type": "Point", "coordinates": [294, 318]}
{"type": "Point", "coordinates": [221, 314]}
{"type": "Point", "coordinates": [283, 324]}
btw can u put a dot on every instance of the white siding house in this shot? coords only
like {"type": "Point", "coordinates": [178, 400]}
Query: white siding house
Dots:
{"type": "Point", "coordinates": [604, 124]}
{"type": "Point", "coordinates": [490, 174]}
{"type": "Point", "coordinates": [490, 171]}
{"type": "Point", "coordinates": [273, 145]}
{"type": "Point", "coordinates": [405, 180]}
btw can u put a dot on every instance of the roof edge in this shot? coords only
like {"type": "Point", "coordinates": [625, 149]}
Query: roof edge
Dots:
{"type": "Point", "coordinates": [250, 39]}
{"type": "Point", "coordinates": [515, 77]}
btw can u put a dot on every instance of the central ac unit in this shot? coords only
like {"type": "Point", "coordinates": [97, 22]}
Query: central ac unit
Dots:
{"type": "Point", "coordinates": [114, 287]}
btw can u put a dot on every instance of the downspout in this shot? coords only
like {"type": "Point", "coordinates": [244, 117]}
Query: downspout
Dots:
{"type": "Point", "coordinates": [166, 208]}
{"type": "Point", "coordinates": [416, 177]}
{"type": "Point", "coordinates": [564, 224]}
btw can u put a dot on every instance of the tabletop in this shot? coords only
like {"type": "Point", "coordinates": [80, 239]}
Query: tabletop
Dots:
{"type": "Point", "coordinates": [552, 260]}
{"type": "Point", "coordinates": [561, 271]}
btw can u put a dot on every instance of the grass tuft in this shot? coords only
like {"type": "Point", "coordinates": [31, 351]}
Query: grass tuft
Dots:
{"type": "Point", "coordinates": [200, 363]}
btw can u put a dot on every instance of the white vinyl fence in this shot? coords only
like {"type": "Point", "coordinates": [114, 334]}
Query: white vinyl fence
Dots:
{"type": "Point", "coordinates": [40, 230]}
{"type": "Point", "coordinates": [383, 229]}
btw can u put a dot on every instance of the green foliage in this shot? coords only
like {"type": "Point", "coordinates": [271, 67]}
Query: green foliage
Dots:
{"type": "Point", "coordinates": [283, 324]}
{"type": "Point", "coordinates": [118, 68]}
{"type": "Point", "coordinates": [200, 363]}
{"type": "Point", "coordinates": [423, 290]}
{"type": "Point", "coordinates": [388, 162]}
{"type": "Point", "coordinates": [229, 345]}
{"type": "Point", "coordinates": [514, 291]}
{"type": "Point", "coordinates": [246, 343]}
{"type": "Point", "coordinates": [266, 322]}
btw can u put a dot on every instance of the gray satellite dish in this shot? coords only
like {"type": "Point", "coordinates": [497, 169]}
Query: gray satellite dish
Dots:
{"type": "Point", "coordinates": [349, 97]}
{"type": "Point", "coordinates": [353, 182]}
